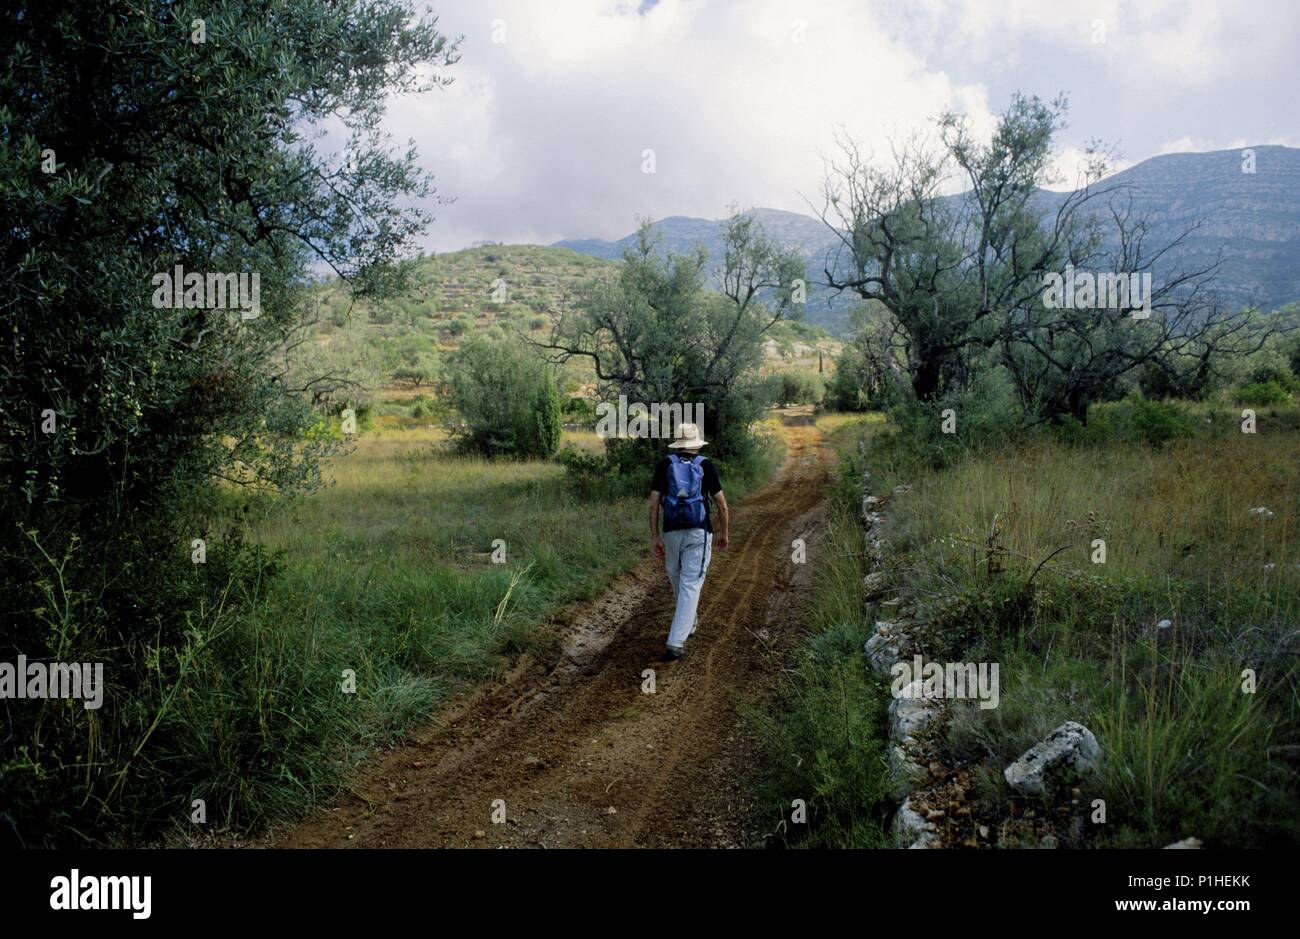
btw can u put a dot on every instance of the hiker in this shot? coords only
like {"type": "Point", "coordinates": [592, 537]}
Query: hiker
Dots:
{"type": "Point", "coordinates": [683, 484]}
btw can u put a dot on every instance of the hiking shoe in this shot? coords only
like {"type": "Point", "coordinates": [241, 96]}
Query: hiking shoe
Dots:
{"type": "Point", "coordinates": [674, 652]}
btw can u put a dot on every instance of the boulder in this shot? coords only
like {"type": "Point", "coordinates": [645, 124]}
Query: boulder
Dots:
{"type": "Point", "coordinates": [1056, 762]}
{"type": "Point", "coordinates": [911, 712]}
{"type": "Point", "coordinates": [912, 830]}
{"type": "Point", "coordinates": [875, 583]}
{"type": "Point", "coordinates": [1185, 844]}
{"type": "Point", "coordinates": [881, 651]}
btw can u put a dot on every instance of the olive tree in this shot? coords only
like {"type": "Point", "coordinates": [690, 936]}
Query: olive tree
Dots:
{"type": "Point", "coordinates": [965, 277]}
{"type": "Point", "coordinates": [158, 141]}
{"type": "Point", "coordinates": [655, 334]}
{"type": "Point", "coordinates": [167, 197]}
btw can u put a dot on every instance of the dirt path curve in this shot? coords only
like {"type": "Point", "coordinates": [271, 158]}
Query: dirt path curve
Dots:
{"type": "Point", "coordinates": [579, 753]}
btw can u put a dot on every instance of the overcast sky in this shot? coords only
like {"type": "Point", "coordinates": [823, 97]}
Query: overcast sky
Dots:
{"type": "Point", "coordinates": [542, 134]}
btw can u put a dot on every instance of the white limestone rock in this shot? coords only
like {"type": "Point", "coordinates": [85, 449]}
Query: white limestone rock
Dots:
{"type": "Point", "coordinates": [911, 829]}
{"type": "Point", "coordinates": [1056, 762]}
{"type": "Point", "coordinates": [875, 584]}
{"type": "Point", "coordinates": [911, 712]}
{"type": "Point", "coordinates": [881, 651]}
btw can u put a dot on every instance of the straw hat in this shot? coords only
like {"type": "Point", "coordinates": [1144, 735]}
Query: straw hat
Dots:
{"type": "Point", "coordinates": [688, 438]}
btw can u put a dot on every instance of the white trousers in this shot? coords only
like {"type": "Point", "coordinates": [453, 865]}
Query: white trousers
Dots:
{"type": "Point", "coordinates": [686, 555]}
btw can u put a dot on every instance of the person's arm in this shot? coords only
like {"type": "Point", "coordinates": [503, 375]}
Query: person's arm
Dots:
{"type": "Point", "coordinates": [723, 538]}
{"type": "Point", "coordinates": [656, 542]}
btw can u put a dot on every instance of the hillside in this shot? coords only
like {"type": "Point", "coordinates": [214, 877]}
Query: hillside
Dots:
{"type": "Point", "coordinates": [1253, 218]}
{"type": "Point", "coordinates": [451, 293]}
{"type": "Point", "coordinates": [514, 287]}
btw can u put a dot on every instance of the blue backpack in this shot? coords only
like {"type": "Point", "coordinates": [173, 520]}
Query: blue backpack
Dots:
{"type": "Point", "coordinates": [684, 501]}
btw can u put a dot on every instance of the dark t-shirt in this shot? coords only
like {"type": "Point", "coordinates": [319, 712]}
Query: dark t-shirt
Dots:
{"type": "Point", "coordinates": [712, 486]}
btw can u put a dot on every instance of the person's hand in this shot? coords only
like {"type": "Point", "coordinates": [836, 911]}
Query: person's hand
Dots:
{"type": "Point", "coordinates": [657, 547]}
{"type": "Point", "coordinates": [721, 541]}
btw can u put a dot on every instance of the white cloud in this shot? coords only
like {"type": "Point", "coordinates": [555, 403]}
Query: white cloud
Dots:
{"type": "Point", "coordinates": [1071, 168]}
{"type": "Point", "coordinates": [540, 137]}
{"type": "Point", "coordinates": [1187, 42]}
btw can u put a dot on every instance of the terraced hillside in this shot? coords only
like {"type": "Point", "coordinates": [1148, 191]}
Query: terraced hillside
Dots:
{"type": "Point", "coordinates": [390, 349]}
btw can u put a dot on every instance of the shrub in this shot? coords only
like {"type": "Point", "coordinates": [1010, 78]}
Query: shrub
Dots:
{"type": "Point", "coordinates": [1271, 371]}
{"type": "Point", "coordinates": [1263, 394]}
{"type": "Point", "coordinates": [506, 398]}
{"type": "Point", "coordinates": [1160, 384]}
{"type": "Point", "coordinates": [545, 422]}
{"type": "Point", "coordinates": [981, 417]}
{"type": "Point", "coordinates": [423, 406]}
{"type": "Point", "coordinates": [593, 477]}
{"type": "Point", "coordinates": [579, 411]}
{"type": "Point", "coordinates": [855, 384]}
{"type": "Point", "coordinates": [1138, 420]}
{"type": "Point", "coordinates": [1156, 423]}
{"type": "Point", "coordinates": [799, 387]}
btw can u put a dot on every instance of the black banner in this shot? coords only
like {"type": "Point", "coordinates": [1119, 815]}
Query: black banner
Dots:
{"type": "Point", "coordinates": [263, 887]}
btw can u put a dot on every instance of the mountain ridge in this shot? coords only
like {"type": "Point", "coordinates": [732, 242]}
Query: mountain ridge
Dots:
{"type": "Point", "coordinates": [1254, 218]}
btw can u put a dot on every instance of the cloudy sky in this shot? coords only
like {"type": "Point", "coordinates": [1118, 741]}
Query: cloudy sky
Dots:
{"type": "Point", "coordinates": [542, 134]}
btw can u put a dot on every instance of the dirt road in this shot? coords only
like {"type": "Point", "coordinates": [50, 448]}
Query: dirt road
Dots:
{"type": "Point", "coordinates": [578, 751]}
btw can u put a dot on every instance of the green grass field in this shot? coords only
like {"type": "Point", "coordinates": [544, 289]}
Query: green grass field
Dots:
{"type": "Point", "coordinates": [1149, 648]}
{"type": "Point", "coordinates": [1190, 749]}
{"type": "Point", "coordinates": [388, 575]}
